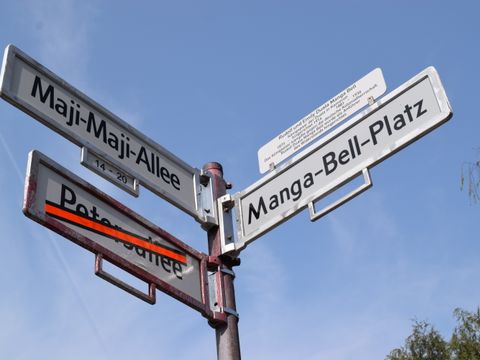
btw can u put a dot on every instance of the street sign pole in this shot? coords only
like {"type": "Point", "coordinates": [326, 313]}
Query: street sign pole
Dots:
{"type": "Point", "coordinates": [227, 338]}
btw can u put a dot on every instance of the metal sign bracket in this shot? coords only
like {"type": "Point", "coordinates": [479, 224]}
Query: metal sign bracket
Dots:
{"type": "Point", "coordinates": [230, 311]}
{"type": "Point", "coordinates": [216, 270]}
{"type": "Point", "coordinates": [149, 298]}
{"type": "Point", "coordinates": [225, 206]}
{"type": "Point", "coordinates": [206, 206]}
{"type": "Point", "coordinates": [314, 215]}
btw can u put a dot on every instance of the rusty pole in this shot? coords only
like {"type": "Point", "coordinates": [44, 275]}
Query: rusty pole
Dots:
{"type": "Point", "coordinates": [227, 338]}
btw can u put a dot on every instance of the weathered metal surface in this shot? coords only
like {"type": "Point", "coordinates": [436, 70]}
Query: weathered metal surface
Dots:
{"type": "Point", "coordinates": [228, 340]}
{"type": "Point", "coordinates": [68, 205]}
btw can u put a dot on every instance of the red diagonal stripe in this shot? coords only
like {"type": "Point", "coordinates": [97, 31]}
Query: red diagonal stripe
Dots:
{"type": "Point", "coordinates": [115, 233]}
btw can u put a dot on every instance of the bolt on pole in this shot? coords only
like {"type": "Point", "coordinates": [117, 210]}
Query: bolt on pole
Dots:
{"type": "Point", "coordinates": [227, 337]}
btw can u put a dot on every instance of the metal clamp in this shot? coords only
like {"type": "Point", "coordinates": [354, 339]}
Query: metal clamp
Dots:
{"type": "Point", "coordinates": [216, 290]}
{"type": "Point", "coordinates": [213, 262]}
{"type": "Point", "coordinates": [225, 204]}
{"type": "Point", "coordinates": [230, 311]}
{"type": "Point", "coordinates": [219, 318]}
{"type": "Point", "coordinates": [207, 207]}
{"type": "Point", "coordinates": [227, 271]}
{"type": "Point", "coordinates": [149, 298]}
{"type": "Point", "coordinates": [314, 216]}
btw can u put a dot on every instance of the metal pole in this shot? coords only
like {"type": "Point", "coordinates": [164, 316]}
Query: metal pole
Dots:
{"type": "Point", "coordinates": [228, 342]}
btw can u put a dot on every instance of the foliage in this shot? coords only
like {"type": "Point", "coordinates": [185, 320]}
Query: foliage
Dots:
{"type": "Point", "coordinates": [470, 180]}
{"type": "Point", "coordinates": [465, 342]}
{"type": "Point", "coordinates": [426, 343]}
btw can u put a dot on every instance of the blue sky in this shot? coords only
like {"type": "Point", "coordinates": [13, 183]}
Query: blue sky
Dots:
{"type": "Point", "coordinates": [214, 81]}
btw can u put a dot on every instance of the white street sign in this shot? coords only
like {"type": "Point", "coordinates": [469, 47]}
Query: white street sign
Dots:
{"type": "Point", "coordinates": [68, 205]}
{"type": "Point", "coordinates": [398, 119]}
{"type": "Point", "coordinates": [130, 155]}
{"type": "Point", "coordinates": [322, 119]}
